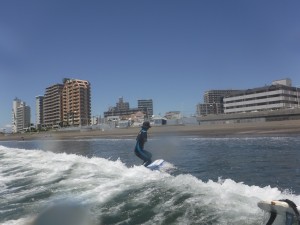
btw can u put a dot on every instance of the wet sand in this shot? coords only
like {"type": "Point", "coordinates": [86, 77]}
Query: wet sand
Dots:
{"type": "Point", "coordinates": [276, 128]}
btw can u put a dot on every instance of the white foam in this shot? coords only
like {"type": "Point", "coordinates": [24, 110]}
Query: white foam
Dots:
{"type": "Point", "coordinates": [95, 181]}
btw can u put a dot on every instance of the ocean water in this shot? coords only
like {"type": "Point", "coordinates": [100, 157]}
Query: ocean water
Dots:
{"type": "Point", "coordinates": [101, 181]}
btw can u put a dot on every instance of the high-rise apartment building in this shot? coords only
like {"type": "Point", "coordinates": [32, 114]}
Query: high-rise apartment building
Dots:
{"type": "Point", "coordinates": [20, 116]}
{"type": "Point", "coordinates": [39, 102]}
{"type": "Point", "coordinates": [67, 104]}
{"type": "Point", "coordinates": [76, 100]}
{"type": "Point", "coordinates": [16, 104]}
{"type": "Point", "coordinates": [52, 107]}
{"type": "Point", "coordinates": [147, 106]}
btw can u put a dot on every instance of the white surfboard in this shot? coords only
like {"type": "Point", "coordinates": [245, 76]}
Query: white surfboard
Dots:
{"type": "Point", "coordinates": [156, 165]}
{"type": "Point", "coordinates": [281, 208]}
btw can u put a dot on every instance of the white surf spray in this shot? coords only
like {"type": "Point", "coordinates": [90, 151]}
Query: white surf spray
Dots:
{"type": "Point", "coordinates": [32, 180]}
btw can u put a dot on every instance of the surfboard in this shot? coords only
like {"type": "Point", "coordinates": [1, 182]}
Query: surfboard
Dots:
{"type": "Point", "coordinates": [281, 208]}
{"type": "Point", "coordinates": [156, 165]}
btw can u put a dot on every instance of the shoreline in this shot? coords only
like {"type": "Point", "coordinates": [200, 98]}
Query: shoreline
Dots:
{"type": "Point", "coordinates": [274, 128]}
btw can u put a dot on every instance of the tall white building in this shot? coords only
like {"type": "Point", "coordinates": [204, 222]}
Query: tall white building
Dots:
{"type": "Point", "coordinates": [39, 102]}
{"type": "Point", "coordinates": [20, 116]}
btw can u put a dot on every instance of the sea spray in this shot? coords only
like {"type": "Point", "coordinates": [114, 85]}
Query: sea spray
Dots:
{"type": "Point", "coordinates": [117, 192]}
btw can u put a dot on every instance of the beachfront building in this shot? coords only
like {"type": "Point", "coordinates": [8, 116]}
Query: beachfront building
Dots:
{"type": "Point", "coordinates": [52, 106]}
{"type": "Point", "coordinates": [39, 102]}
{"type": "Point", "coordinates": [122, 114]}
{"type": "Point", "coordinates": [122, 110]}
{"type": "Point", "coordinates": [76, 100]}
{"type": "Point", "coordinates": [121, 105]}
{"type": "Point", "coordinates": [147, 106]}
{"type": "Point", "coordinates": [138, 117]}
{"type": "Point", "coordinates": [275, 102]}
{"type": "Point", "coordinates": [67, 104]}
{"type": "Point", "coordinates": [209, 108]}
{"type": "Point", "coordinates": [159, 121]}
{"type": "Point", "coordinates": [20, 116]}
{"type": "Point", "coordinates": [171, 115]}
{"type": "Point", "coordinates": [279, 95]}
{"type": "Point", "coordinates": [213, 102]}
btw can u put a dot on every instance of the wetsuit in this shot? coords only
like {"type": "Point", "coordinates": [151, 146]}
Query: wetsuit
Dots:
{"type": "Point", "coordinates": [139, 147]}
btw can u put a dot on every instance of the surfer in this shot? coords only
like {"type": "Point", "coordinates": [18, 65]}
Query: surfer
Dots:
{"type": "Point", "coordinates": [140, 142]}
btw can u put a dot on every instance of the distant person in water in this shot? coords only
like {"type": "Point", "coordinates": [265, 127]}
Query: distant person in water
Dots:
{"type": "Point", "coordinates": [140, 142]}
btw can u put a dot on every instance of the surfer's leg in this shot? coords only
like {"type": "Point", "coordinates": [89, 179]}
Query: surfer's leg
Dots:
{"type": "Point", "coordinates": [141, 156]}
{"type": "Point", "coordinates": [148, 154]}
{"type": "Point", "coordinates": [144, 155]}
{"type": "Point", "coordinates": [147, 163]}
{"type": "Point", "coordinates": [148, 158]}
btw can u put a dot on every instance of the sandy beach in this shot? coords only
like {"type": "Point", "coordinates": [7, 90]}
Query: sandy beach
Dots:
{"type": "Point", "coordinates": [276, 128]}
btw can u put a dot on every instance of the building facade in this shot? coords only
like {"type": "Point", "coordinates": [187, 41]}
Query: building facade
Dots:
{"type": "Point", "coordinates": [16, 104]}
{"type": "Point", "coordinates": [213, 102]}
{"type": "Point", "coordinates": [121, 105]}
{"type": "Point", "coordinates": [147, 106]}
{"type": "Point", "coordinates": [67, 104]}
{"type": "Point", "coordinates": [76, 100]}
{"type": "Point", "coordinates": [123, 114]}
{"type": "Point", "coordinates": [279, 95]}
{"type": "Point", "coordinates": [171, 115]}
{"type": "Point", "coordinates": [20, 116]}
{"type": "Point", "coordinates": [122, 110]}
{"type": "Point", "coordinates": [52, 106]}
{"type": "Point", "coordinates": [39, 116]}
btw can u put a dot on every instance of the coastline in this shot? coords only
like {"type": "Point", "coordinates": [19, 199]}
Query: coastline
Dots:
{"type": "Point", "coordinates": [274, 128]}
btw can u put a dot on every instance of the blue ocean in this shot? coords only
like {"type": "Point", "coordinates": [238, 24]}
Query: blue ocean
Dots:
{"type": "Point", "coordinates": [208, 181]}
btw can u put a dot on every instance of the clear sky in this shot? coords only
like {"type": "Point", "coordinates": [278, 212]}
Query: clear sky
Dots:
{"type": "Point", "coordinates": [168, 50]}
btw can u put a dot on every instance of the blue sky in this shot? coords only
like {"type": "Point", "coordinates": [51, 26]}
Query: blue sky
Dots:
{"type": "Point", "coordinates": [170, 51]}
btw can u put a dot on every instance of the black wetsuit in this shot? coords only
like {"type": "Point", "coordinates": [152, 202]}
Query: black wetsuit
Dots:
{"type": "Point", "coordinates": [139, 147]}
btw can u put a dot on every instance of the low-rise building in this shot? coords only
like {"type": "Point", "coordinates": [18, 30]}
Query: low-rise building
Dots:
{"type": "Point", "coordinates": [278, 101]}
{"type": "Point", "coordinates": [213, 102]}
{"type": "Point", "coordinates": [279, 95]}
{"type": "Point", "coordinates": [123, 110]}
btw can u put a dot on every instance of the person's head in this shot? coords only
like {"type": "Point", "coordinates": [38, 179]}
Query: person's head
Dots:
{"type": "Point", "coordinates": [146, 125]}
